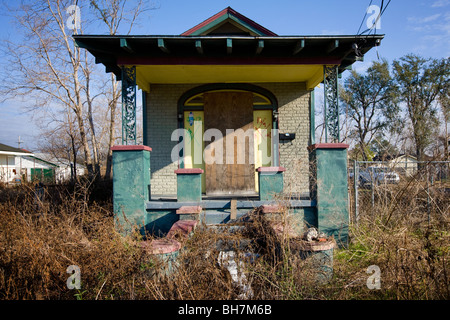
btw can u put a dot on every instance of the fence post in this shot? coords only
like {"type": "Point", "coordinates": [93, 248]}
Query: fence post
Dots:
{"type": "Point", "coordinates": [428, 192]}
{"type": "Point", "coordinates": [355, 187]}
{"type": "Point", "coordinates": [372, 191]}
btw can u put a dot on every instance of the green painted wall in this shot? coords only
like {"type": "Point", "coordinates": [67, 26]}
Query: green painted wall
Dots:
{"type": "Point", "coordinates": [43, 175]}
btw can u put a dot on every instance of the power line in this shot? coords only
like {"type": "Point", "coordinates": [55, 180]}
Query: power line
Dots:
{"type": "Point", "coordinates": [382, 10]}
{"type": "Point", "coordinates": [364, 18]}
{"type": "Point", "coordinates": [360, 40]}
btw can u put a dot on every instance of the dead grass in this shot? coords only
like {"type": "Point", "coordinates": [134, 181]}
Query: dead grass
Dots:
{"type": "Point", "coordinates": [74, 226]}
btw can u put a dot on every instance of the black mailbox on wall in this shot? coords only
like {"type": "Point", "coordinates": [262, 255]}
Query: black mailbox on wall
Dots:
{"type": "Point", "coordinates": [286, 136]}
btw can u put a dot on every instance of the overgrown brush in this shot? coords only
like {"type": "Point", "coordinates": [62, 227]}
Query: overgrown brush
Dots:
{"type": "Point", "coordinates": [40, 237]}
{"type": "Point", "coordinates": [404, 231]}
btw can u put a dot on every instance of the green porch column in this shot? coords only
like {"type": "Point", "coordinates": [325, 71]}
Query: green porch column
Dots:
{"type": "Point", "coordinates": [329, 188]}
{"type": "Point", "coordinates": [189, 185]}
{"type": "Point", "coordinates": [131, 185]}
{"type": "Point", "coordinates": [270, 181]}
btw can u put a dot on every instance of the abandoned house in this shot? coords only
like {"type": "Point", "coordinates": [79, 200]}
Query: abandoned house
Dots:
{"type": "Point", "coordinates": [228, 123]}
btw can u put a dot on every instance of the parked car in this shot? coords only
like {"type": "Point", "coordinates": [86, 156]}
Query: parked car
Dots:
{"type": "Point", "coordinates": [378, 175]}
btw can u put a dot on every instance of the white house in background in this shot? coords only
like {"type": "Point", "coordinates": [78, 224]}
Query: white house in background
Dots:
{"type": "Point", "coordinates": [24, 165]}
{"type": "Point", "coordinates": [11, 164]}
{"type": "Point", "coordinates": [38, 169]}
{"type": "Point", "coordinates": [404, 163]}
{"type": "Point", "coordinates": [63, 172]}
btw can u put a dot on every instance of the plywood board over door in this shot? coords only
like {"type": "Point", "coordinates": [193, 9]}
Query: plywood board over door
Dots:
{"type": "Point", "coordinates": [235, 175]}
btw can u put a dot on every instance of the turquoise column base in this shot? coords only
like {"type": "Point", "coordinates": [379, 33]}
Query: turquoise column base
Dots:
{"type": "Point", "coordinates": [329, 188]}
{"type": "Point", "coordinates": [131, 185]}
{"type": "Point", "coordinates": [270, 181]}
{"type": "Point", "coordinates": [320, 257]}
{"type": "Point", "coordinates": [189, 185]}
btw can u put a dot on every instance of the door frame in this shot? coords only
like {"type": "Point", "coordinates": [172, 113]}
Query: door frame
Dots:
{"type": "Point", "coordinates": [271, 103]}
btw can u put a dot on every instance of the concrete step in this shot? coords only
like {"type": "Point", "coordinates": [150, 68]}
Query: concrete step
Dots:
{"type": "Point", "coordinates": [272, 208]}
{"type": "Point", "coordinates": [189, 210]}
{"type": "Point", "coordinates": [182, 229]}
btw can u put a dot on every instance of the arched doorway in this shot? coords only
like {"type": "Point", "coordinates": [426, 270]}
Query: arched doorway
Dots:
{"type": "Point", "coordinates": [229, 135]}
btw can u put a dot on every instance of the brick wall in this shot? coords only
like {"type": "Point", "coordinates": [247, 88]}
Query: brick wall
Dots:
{"type": "Point", "coordinates": [161, 122]}
{"type": "Point", "coordinates": [293, 102]}
{"type": "Point", "coordinates": [294, 117]}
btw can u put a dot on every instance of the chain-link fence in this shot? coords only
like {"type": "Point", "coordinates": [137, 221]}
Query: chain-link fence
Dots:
{"type": "Point", "coordinates": [378, 188]}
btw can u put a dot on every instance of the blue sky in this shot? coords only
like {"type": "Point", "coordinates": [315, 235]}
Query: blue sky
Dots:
{"type": "Point", "coordinates": [418, 26]}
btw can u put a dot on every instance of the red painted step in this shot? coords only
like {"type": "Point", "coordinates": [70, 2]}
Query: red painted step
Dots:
{"type": "Point", "coordinates": [189, 210]}
{"type": "Point", "coordinates": [182, 228]}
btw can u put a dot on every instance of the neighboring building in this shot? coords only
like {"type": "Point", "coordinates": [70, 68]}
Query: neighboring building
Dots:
{"type": "Point", "coordinates": [226, 75]}
{"type": "Point", "coordinates": [10, 163]}
{"type": "Point", "coordinates": [63, 171]}
{"type": "Point", "coordinates": [37, 169]}
{"type": "Point", "coordinates": [406, 164]}
{"type": "Point", "coordinates": [402, 163]}
{"type": "Point", "coordinates": [27, 166]}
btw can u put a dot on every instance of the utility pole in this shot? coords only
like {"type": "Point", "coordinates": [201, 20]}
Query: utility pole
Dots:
{"type": "Point", "coordinates": [20, 165]}
{"type": "Point", "coordinates": [19, 142]}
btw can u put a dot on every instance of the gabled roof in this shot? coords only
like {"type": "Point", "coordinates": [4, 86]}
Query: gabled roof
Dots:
{"type": "Point", "coordinates": [5, 149]}
{"type": "Point", "coordinates": [38, 158]}
{"type": "Point", "coordinates": [243, 50]}
{"type": "Point", "coordinates": [228, 21]}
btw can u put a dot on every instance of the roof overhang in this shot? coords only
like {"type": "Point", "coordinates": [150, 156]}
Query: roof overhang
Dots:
{"type": "Point", "coordinates": [200, 59]}
{"type": "Point", "coordinates": [12, 153]}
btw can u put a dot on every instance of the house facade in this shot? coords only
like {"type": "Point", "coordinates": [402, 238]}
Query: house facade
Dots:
{"type": "Point", "coordinates": [10, 163]}
{"type": "Point", "coordinates": [228, 111]}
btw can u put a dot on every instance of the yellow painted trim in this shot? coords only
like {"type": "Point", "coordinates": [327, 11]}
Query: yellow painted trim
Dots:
{"type": "Point", "coordinates": [315, 80]}
{"type": "Point", "coordinates": [262, 119]}
{"type": "Point", "coordinates": [140, 81]}
{"type": "Point", "coordinates": [190, 74]}
{"type": "Point", "coordinates": [194, 143]}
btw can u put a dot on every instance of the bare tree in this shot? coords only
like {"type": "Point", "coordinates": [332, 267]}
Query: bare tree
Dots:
{"type": "Point", "coordinates": [46, 66]}
{"type": "Point", "coordinates": [62, 142]}
{"type": "Point", "coordinates": [112, 13]}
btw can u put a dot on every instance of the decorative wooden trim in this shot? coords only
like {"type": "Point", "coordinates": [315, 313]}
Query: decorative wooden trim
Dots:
{"type": "Point", "coordinates": [228, 12]}
{"type": "Point", "coordinates": [271, 169]}
{"type": "Point", "coordinates": [232, 60]}
{"type": "Point", "coordinates": [226, 86]}
{"type": "Point", "coordinates": [189, 171]}
{"type": "Point", "coordinates": [130, 148]}
{"type": "Point", "coordinates": [328, 146]}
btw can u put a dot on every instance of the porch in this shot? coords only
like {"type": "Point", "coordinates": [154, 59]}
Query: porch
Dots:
{"type": "Point", "coordinates": [325, 208]}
